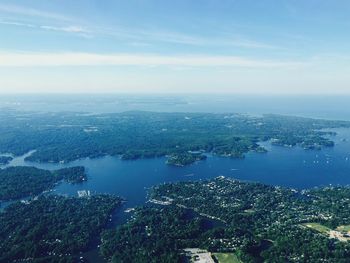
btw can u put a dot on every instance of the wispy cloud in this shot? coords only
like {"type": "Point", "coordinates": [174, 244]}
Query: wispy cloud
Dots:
{"type": "Point", "coordinates": [148, 37]}
{"type": "Point", "coordinates": [53, 21]}
{"type": "Point", "coordinates": [79, 30]}
{"type": "Point", "coordinates": [155, 35]}
{"type": "Point", "coordinates": [69, 29]}
{"type": "Point", "coordinates": [217, 40]}
{"type": "Point", "coordinates": [57, 22]}
{"type": "Point", "coordinates": [28, 59]}
{"type": "Point", "coordinates": [14, 23]}
{"type": "Point", "coordinates": [27, 11]}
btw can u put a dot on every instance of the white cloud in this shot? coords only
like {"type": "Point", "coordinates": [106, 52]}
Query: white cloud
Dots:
{"type": "Point", "coordinates": [146, 37]}
{"type": "Point", "coordinates": [151, 35]}
{"type": "Point", "coordinates": [81, 31]}
{"type": "Point", "coordinates": [29, 59]}
{"type": "Point", "coordinates": [27, 11]}
{"type": "Point", "coordinates": [70, 29]}
{"type": "Point", "coordinates": [205, 41]}
{"type": "Point", "coordinates": [14, 23]}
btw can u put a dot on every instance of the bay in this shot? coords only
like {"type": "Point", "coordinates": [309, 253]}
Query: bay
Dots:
{"type": "Point", "coordinates": [282, 166]}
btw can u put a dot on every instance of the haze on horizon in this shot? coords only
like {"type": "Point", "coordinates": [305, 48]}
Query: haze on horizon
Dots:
{"type": "Point", "coordinates": [137, 46]}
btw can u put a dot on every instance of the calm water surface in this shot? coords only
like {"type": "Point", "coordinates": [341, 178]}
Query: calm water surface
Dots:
{"type": "Point", "coordinates": [290, 167]}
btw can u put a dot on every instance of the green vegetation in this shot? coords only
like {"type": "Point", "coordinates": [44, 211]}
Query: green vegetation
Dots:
{"type": "Point", "coordinates": [52, 228]}
{"type": "Point", "coordinates": [17, 182]}
{"type": "Point", "coordinates": [5, 159]}
{"type": "Point", "coordinates": [212, 215]}
{"type": "Point", "coordinates": [183, 159]}
{"type": "Point", "coordinates": [318, 227]}
{"type": "Point", "coordinates": [154, 235]}
{"type": "Point", "coordinates": [226, 258]}
{"type": "Point", "coordinates": [73, 175]}
{"type": "Point", "coordinates": [64, 137]}
{"type": "Point", "coordinates": [345, 228]}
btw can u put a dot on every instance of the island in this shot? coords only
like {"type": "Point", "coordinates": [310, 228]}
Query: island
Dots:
{"type": "Point", "coordinates": [251, 222]}
{"type": "Point", "coordinates": [184, 159]}
{"type": "Point", "coordinates": [53, 228]}
{"type": "Point", "coordinates": [23, 181]}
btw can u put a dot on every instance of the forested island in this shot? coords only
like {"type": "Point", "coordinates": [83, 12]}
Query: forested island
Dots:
{"type": "Point", "coordinates": [23, 181]}
{"type": "Point", "coordinates": [53, 228]}
{"type": "Point", "coordinates": [64, 137]}
{"type": "Point", "coordinates": [252, 221]}
{"type": "Point", "coordinates": [183, 159]}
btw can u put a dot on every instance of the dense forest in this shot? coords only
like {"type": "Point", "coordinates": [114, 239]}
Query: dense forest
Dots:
{"type": "Point", "coordinates": [22, 181]}
{"type": "Point", "coordinates": [53, 228]}
{"type": "Point", "coordinates": [63, 137]}
{"type": "Point", "coordinates": [152, 237]}
{"type": "Point", "coordinates": [256, 222]}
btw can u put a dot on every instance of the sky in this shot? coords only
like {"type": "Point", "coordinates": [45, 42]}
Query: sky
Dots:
{"type": "Point", "coordinates": [182, 46]}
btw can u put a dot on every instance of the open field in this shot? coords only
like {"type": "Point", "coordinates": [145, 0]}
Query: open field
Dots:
{"type": "Point", "coordinates": [318, 227]}
{"type": "Point", "coordinates": [344, 228]}
{"type": "Point", "coordinates": [337, 234]}
{"type": "Point", "coordinates": [226, 258]}
{"type": "Point", "coordinates": [199, 255]}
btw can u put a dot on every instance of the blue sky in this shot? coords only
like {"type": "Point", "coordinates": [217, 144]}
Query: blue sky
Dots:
{"type": "Point", "coordinates": [183, 46]}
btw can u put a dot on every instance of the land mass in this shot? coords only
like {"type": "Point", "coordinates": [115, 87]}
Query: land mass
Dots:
{"type": "Point", "coordinates": [252, 221]}
{"type": "Point", "coordinates": [23, 181]}
{"type": "Point", "coordinates": [64, 137]}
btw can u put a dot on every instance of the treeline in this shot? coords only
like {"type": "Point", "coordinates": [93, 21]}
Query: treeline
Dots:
{"type": "Point", "coordinates": [22, 181]}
